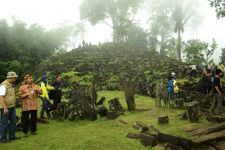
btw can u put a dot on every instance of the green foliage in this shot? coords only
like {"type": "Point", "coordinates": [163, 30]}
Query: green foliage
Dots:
{"type": "Point", "coordinates": [198, 52]}
{"type": "Point", "coordinates": [193, 50]}
{"type": "Point", "coordinates": [73, 77]}
{"type": "Point", "coordinates": [119, 12]}
{"type": "Point", "coordinates": [136, 37]}
{"type": "Point", "coordinates": [109, 65]}
{"type": "Point", "coordinates": [170, 49]}
{"type": "Point", "coordinates": [219, 6]}
{"type": "Point", "coordinates": [113, 83]}
{"type": "Point", "coordinates": [210, 51]}
{"type": "Point", "coordinates": [222, 57]}
{"type": "Point", "coordinates": [22, 47]}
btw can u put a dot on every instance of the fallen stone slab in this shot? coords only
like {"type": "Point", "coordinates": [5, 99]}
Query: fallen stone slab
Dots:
{"type": "Point", "coordinates": [205, 147]}
{"type": "Point", "coordinates": [189, 129]}
{"type": "Point", "coordinates": [210, 137]}
{"type": "Point", "coordinates": [186, 144]}
{"type": "Point", "coordinates": [164, 119]}
{"type": "Point", "coordinates": [148, 140]}
{"type": "Point", "coordinates": [134, 135]}
{"type": "Point", "coordinates": [192, 128]}
{"type": "Point", "coordinates": [112, 115]}
{"type": "Point", "coordinates": [144, 129]}
{"type": "Point", "coordinates": [217, 119]}
{"type": "Point", "coordinates": [136, 127]}
{"type": "Point", "coordinates": [169, 146]}
{"type": "Point", "coordinates": [142, 109]}
{"type": "Point", "coordinates": [101, 101]}
{"type": "Point", "coordinates": [208, 129]}
{"type": "Point", "coordinates": [141, 124]}
{"type": "Point", "coordinates": [219, 145]}
{"type": "Point", "coordinates": [123, 121]}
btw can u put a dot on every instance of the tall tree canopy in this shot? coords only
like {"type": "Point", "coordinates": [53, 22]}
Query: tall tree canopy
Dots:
{"type": "Point", "coordinates": [219, 6]}
{"type": "Point", "coordinates": [118, 14]}
{"type": "Point", "coordinates": [184, 10]}
{"type": "Point", "coordinates": [75, 32]}
{"type": "Point", "coordinates": [22, 47]}
{"type": "Point", "coordinates": [167, 17]}
{"type": "Point", "coordinates": [222, 57]}
{"type": "Point", "coordinates": [161, 23]}
{"type": "Point", "coordinates": [136, 37]}
{"type": "Point", "coordinates": [198, 52]}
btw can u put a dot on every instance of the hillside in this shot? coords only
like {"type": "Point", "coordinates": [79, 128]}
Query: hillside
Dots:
{"type": "Point", "coordinates": [108, 66]}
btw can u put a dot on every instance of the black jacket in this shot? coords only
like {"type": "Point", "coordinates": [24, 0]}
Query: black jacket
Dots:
{"type": "Point", "coordinates": [57, 92]}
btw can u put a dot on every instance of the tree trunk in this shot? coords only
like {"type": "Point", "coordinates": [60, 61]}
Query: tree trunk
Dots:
{"type": "Point", "coordinates": [162, 45]}
{"type": "Point", "coordinates": [118, 30]}
{"type": "Point", "coordinates": [114, 26]}
{"type": "Point", "coordinates": [129, 95]}
{"type": "Point", "coordinates": [179, 46]}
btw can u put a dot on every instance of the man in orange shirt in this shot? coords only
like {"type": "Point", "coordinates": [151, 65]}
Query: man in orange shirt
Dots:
{"type": "Point", "coordinates": [28, 92]}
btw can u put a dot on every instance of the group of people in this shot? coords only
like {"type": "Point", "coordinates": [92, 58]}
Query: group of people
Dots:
{"type": "Point", "coordinates": [29, 93]}
{"type": "Point", "coordinates": [211, 84]}
{"type": "Point", "coordinates": [172, 86]}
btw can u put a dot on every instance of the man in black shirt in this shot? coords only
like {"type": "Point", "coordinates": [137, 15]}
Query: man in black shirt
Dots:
{"type": "Point", "coordinates": [217, 106]}
{"type": "Point", "coordinates": [56, 94]}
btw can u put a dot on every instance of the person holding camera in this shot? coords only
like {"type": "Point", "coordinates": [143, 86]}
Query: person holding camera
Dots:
{"type": "Point", "coordinates": [28, 93]}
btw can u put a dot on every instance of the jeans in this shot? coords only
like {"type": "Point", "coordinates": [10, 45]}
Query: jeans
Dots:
{"type": "Point", "coordinates": [44, 108]}
{"type": "Point", "coordinates": [32, 123]}
{"type": "Point", "coordinates": [8, 123]}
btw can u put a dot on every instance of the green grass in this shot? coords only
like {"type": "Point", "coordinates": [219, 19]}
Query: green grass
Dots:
{"type": "Point", "coordinates": [102, 134]}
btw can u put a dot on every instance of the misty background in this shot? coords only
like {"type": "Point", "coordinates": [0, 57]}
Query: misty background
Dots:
{"type": "Point", "coordinates": [51, 14]}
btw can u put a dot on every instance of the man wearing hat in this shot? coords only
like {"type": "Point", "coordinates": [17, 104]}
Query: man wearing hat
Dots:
{"type": "Point", "coordinates": [7, 108]}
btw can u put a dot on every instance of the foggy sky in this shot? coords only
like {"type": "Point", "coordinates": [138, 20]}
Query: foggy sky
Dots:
{"type": "Point", "coordinates": [50, 13]}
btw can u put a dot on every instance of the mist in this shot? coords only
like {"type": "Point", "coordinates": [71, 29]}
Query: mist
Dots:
{"type": "Point", "coordinates": [51, 14]}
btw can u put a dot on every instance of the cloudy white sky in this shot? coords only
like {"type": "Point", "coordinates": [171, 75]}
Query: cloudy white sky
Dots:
{"type": "Point", "coordinates": [50, 13]}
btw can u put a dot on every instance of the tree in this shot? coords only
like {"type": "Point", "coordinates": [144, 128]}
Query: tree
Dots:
{"type": "Point", "coordinates": [119, 12]}
{"type": "Point", "coordinates": [222, 57]}
{"type": "Point", "coordinates": [219, 6]}
{"type": "Point", "coordinates": [75, 32]}
{"type": "Point", "coordinates": [170, 49]}
{"type": "Point", "coordinates": [5, 51]}
{"type": "Point", "coordinates": [161, 21]}
{"type": "Point", "coordinates": [21, 47]}
{"type": "Point", "coordinates": [210, 51]}
{"type": "Point", "coordinates": [183, 12]}
{"type": "Point", "coordinates": [136, 37]}
{"type": "Point", "coordinates": [198, 52]}
{"type": "Point", "coordinates": [193, 50]}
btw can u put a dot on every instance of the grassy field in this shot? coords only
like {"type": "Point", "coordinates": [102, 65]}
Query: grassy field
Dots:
{"type": "Point", "coordinates": [102, 134]}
